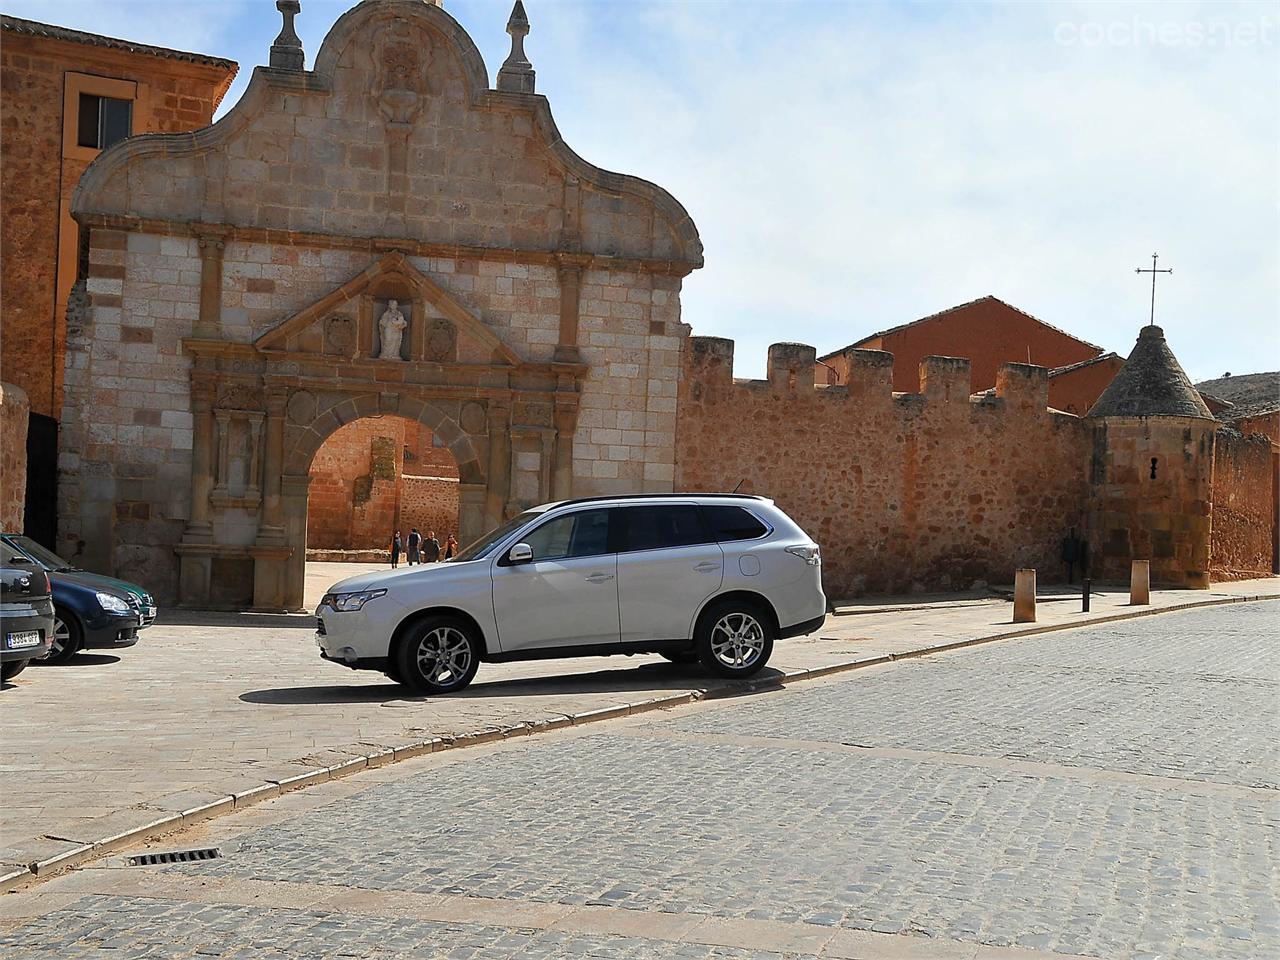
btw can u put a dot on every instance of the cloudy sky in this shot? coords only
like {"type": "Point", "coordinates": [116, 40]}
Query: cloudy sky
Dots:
{"type": "Point", "coordinates": [855, 165]}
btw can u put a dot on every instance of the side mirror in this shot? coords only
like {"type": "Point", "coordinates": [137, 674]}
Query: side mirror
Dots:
{"type": "Point", "coordinates": [520, 553]}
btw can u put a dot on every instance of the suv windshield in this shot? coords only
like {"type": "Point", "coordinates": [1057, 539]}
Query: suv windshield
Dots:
{"type": "Point", "coordinates": [482, 547]}
{"type": "Point", "coordinates": [46, 558]}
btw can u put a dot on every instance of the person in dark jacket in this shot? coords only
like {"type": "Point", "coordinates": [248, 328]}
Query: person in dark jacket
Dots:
{"type": "Point", "coordinates": [397, 548]}
{"type": "Point", "coordinates": [415, 545]}
{"type": "Point", "coordinates": [430, 548]}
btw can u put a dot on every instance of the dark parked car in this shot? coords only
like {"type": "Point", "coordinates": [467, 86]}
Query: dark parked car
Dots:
{"type": "Point", "coordinates": [26, 613]}
{"type": "Point", "coordinates": [89, 610]}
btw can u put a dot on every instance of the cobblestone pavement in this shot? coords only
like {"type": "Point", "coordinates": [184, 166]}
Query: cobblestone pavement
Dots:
{"type": "Point", "coordinates": [170, 930]}
{"type": "Point", "coordinates": [1107, 792]}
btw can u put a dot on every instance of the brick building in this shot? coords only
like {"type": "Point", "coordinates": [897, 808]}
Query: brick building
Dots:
{"type": "Point", "coordinates": [67, 95]}
{"type": "Point", "coordinates": [988, 332]}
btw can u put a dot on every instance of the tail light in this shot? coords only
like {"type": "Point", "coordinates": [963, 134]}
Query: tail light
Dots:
{"type": "Point", "coordinates": [48, 585]}
{"type": "Point", "coordinates": [812, 555]}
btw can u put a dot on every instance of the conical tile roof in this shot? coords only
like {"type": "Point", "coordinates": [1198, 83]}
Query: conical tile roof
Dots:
{"type": "Point", "coordinates": [1152, 384]}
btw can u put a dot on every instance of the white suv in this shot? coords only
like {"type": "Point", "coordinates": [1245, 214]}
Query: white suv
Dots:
{"type": "Point", "coordinates": [714, 578]}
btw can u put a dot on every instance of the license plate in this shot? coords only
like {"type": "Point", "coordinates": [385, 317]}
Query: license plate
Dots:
{"type": "Point", "coordinates": [20, 641]}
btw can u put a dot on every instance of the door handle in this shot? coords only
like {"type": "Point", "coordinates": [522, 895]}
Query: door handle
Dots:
{"type": "Point", "coordinates": [599, 578]}
{"type": "Point", "coordinates": [706, 566]}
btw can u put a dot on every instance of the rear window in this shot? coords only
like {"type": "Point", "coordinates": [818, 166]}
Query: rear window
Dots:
{"type": "Point", "coordinates": [661, 527]}
{"type": "Point", "coordinates": [733, 523]}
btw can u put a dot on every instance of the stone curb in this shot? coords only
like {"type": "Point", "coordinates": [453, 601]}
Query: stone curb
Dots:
{"type": "Point", "coordinates": [42, 869]}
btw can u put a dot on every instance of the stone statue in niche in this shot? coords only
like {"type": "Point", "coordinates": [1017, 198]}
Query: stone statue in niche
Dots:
{"type": "Point", "coordinates": [400, 85]}
{"type": "Point", "coordinates": [391, 328]}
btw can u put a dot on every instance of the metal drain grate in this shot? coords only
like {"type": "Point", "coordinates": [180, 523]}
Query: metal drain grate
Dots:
{"type": "Point", "coordinates": [176, 856]}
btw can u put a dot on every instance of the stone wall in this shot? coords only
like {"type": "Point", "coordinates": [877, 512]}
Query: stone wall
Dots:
{"type": "Point", "coordinates": [1244, 506]}
{"type": "Point", "coordinates": [14, 411]}
{"type": "Point", "coordinates": [928, 490]}
{"type": "Point", "coordinates": [126, 435]}
{"type": "Point", "coordinates": [430, 504]}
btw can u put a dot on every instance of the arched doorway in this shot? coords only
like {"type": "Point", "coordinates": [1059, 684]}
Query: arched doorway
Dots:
{"type": "Point", "coordinates": [375, 476]}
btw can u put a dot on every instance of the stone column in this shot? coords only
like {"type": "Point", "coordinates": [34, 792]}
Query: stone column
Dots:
{"type": "Point", "coordinates": [223, 420]}
{"type": "Point", "coordinates": [271, 529]}
{"type": "Point", "coordinates": [570, 267]}
{"type": "Point", "coordinates": [202, 396]}
{"type": "Point", "coordinates": [255, 457]}
{"type": "Point", "coordinates": [272, 552]}
{"type": "Point", "coordinates": [499, 463]}
{"type": "Point", "coordinates": [209, 323]}
{"type": "Point", "coordinates": [566, 420]}
{"type": "Point", "coordinates": [471, 512]}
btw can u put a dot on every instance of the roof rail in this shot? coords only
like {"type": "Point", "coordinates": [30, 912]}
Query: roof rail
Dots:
{"type": "Point", "coordinates": [652, 496]}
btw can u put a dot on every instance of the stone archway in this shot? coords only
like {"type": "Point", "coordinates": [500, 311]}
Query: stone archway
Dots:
{"type": "Point", "coordinates": [295, 477]}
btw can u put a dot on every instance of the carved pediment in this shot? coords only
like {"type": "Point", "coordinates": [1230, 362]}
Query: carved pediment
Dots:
{"type": "Point", "coordinates": [345, 322]}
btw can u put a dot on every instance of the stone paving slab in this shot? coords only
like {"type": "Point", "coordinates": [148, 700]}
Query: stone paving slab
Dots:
{"type": "Point", "coordinates": [212, 712]}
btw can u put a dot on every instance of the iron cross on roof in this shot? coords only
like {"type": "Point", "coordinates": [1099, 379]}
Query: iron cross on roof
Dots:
{"type": "Point", "coordinates": [1153, 271]}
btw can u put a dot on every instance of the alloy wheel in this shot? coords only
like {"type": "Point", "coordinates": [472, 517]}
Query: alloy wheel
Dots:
{"type": "Point", "coordinates": [61, 637]}
{"type": "Point", "coordinates": [737, 639]}
{"type": "Point", "coordinates": [444, 656]}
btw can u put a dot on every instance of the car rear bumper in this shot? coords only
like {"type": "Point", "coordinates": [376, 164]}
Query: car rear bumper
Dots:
{"type": "Point", "coordinates": [36, 620]}
{"type": "Point", "coordinates": [801, 628]}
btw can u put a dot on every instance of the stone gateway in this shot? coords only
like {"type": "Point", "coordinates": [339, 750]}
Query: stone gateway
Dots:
{"type": "Point", "coordinates": [382, 234]}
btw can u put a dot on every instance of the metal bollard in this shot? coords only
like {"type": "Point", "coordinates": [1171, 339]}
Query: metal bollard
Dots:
{"type": "Point", "coordinates": [1024, 596]}
{"type": "Point", "coordinates": [1084, 597]}
{"type": "Point", "coordinates": [1140, 583]}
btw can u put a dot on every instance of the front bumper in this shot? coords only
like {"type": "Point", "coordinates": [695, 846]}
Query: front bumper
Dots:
{"type": "Point", "coordinates": [112, 630]}
{"type": "Point", "coordinates": [37, 621]}
{"type": "Point", "coordinates": [349, 637]}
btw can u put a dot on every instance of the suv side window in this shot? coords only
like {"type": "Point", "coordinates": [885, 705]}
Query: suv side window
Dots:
{"type": "Point", "coordinates": [582, 534]}
{"type": "Point", "coordinates": [729, 523]}
{"type": "Point", "coordinates": [658, 527]}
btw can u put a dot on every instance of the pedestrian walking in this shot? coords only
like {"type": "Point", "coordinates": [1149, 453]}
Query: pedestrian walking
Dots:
{"type": "Point", "coordinates": [450, 547]}
{"type": "Point", "coordinates": [430, 548]}
{"type": "Point", "coordinates": [397, 548]}
{"type": "Point", "coordinates": [415, 546]}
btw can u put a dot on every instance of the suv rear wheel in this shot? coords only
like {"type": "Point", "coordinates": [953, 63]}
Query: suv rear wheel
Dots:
{"type": "Point", "coordinates": [437, 655]}
{"type": "Point", "coordinates": [734, 638]}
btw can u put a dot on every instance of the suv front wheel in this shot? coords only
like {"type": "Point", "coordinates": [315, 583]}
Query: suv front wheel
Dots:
{"type": "Point", "coordinates": [437, 655]}
{"type": "Point", "coordinates": [734, 638]}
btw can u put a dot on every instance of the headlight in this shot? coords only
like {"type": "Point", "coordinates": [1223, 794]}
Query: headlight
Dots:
{"type": "Point", "coordinates": [113, 604]}
{"type": "Point", "coordinates": [810, 555]}
{"type": "Point", "coordinates": [346, 602]}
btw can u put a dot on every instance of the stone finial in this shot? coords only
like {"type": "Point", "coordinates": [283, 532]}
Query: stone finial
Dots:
{"type": "Point", "coordinates": [286, 52]}
{"type": "Point", "coordinates": [516, 74]}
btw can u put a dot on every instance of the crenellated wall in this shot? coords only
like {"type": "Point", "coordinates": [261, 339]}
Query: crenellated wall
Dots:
{"type": "Point", "coordinates": [904, 491]}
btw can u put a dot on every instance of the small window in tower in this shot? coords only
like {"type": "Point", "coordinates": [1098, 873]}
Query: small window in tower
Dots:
{"type": "Point", "coordinates": [103, 121]}
{"type": "Point", "coordinates": [1154, 463]}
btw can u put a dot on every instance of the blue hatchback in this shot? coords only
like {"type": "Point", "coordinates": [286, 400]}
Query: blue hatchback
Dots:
{"type": "Point", "coordinates": [89, 610]}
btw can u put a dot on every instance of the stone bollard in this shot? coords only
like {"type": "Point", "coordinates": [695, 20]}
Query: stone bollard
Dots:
{"type": "Point", "coordinates": [1024, 596]}
{"type": "Point", "coordinates": [1140, 583]}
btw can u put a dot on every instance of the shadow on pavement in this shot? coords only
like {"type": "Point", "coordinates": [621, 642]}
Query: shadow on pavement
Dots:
{"type": "Point", "coordinates": [231, 618]}
{"type": "Point", "coordinates": [648, 677]}
{"type": "Point", "coordinates": [80, 660]}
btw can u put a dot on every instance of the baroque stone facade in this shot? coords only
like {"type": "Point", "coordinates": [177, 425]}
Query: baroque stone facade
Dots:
{"type": "Point", "coordinates": [236, 278]}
